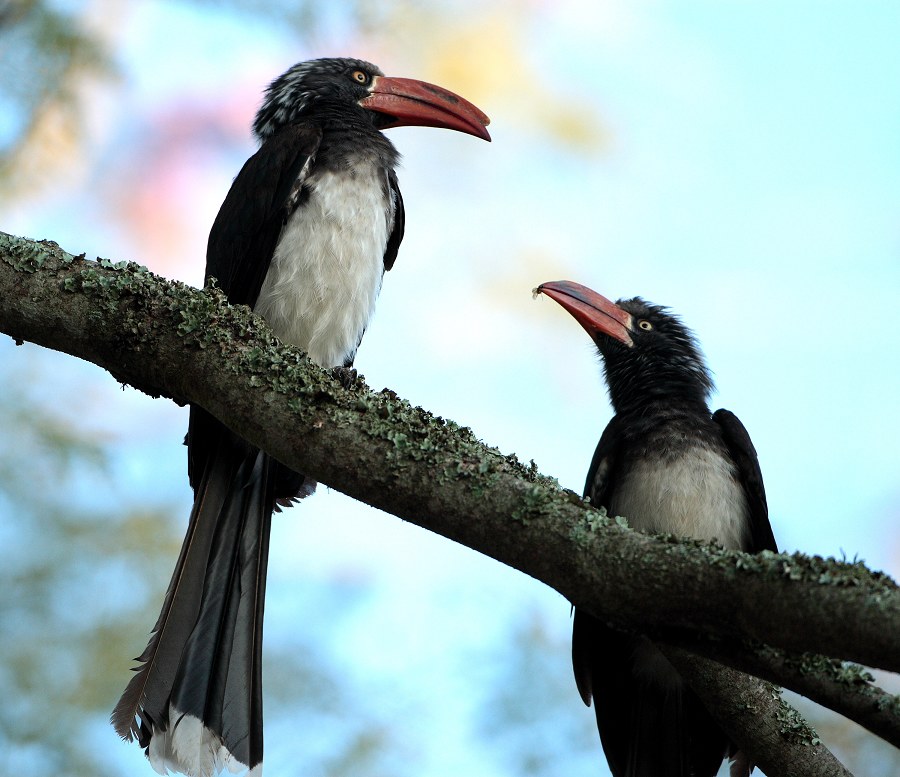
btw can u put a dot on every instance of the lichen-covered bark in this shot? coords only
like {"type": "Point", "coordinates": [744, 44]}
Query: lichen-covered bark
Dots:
{"type": "Point", "coordinates": [844, 687]}
{"type": "Point", "coordinates": [168, 339]}
{"type": "Point", "coordinates": [768, 730]}
{"type": "Point", "coordinates": [171, 340]}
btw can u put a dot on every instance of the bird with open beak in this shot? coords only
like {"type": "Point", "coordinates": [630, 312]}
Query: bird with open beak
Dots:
{"type": "Point", "coordinates": [668, 465]}
{"type": "Point", "coordinates": [309, 227]}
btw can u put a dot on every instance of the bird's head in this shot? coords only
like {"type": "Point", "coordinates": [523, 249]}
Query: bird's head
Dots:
{"type": "Point", "coordinates": [647, 351]}
{"type": "Point", "coordinates": [339, 88]}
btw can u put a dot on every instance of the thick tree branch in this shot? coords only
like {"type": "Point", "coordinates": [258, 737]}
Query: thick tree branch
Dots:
{"type": "Point", "coordinates": [767, 729]}
{"type": "Point", "coordinates": [172, 340]}
{"type": "Point", "coordinates": [169, 339]}
{"type": "Point", "coordinates": [846, 688]}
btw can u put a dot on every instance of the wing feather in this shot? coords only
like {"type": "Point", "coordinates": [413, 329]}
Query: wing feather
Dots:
{"type": "Point", "coordinates": [265, 192]}
{"type": "Point", "coordinates": [743, 454]}
{"type": "Point", "coordinates": [396, 236]}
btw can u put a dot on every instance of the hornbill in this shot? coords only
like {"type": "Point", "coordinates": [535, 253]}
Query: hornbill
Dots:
{"type": "Point", "coordinates": [667, 465]}
{"type": "Point", "coordinates": [311, 223]}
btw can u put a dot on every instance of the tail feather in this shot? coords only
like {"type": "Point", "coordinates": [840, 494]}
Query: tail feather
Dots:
{"type": "Point", "coordinates": [650, 723]}
{"type": "Point", "coordinates": [145, 693]}
{"type": "Point", "coordinates": [195, 701]}
{"type": "Point", "coordinates": [658, 731]}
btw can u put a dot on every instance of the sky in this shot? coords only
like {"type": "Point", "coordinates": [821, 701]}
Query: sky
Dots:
{"type": "Point", "coordinates": [736, 161]}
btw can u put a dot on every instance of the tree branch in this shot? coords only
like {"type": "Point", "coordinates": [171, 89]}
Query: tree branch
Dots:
{"type": "Point", "coordinates": [767, 729]}
{"type": "Point", "coordinates": [846, 688]}
{"type": "Point", "coordinates": [168, 339]}
{"type": "Point", "coordinates": [171, 340]}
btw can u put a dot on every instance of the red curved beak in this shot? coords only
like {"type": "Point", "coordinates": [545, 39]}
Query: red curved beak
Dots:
{"type": "Point", "coordinates": [594, 312]}
{"type": "Point", "coordinates": [416, 103]}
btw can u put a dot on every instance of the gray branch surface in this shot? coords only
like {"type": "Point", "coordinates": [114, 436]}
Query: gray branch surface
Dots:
{"type": "Point", "coordinates": [768, 730]}
{"type": "Point", "coordinates": [172, 340]}
{"type": "Point", "coordinates": [844, 687]}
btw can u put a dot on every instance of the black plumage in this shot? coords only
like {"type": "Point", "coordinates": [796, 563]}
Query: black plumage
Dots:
{"type": "Point", "coordinates": [311, 223]}
{"type": "Point", "coordinates": [668, 465]}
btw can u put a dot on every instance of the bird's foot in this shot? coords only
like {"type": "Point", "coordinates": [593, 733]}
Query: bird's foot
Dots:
{"type": "Point", "coordinates": [346, 376]}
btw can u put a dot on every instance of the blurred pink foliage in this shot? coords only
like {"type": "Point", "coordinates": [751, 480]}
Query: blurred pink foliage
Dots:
{"type": "Point", "coordinates": [172, 175]}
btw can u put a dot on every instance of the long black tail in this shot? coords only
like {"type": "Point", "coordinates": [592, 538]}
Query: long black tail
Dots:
{"type": "Point", "coordinates": [195, 702]}
{"type": "Point", "coordinates": [650, 723]}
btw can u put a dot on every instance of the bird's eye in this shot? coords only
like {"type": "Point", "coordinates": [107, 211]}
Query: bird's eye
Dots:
{"type": "Point", "coordinates": [360, 76]}
{"type": "Point", "coordinates": [645, 325]}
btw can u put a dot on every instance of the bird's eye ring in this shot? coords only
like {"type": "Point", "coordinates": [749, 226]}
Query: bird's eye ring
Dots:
{"type": "Point", "coordinates": [645, 325]}
{"type": "Point", "coordinates": [360, 77]}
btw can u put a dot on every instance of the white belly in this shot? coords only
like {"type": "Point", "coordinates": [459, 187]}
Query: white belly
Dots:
{"type": "Point", "coordinates": [695, 495]}
{"type": "Point", "coordinates": [325, 275]}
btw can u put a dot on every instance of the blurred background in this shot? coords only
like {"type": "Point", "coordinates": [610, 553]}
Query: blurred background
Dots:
{"type": "Point", "coordinates": [738, 161]}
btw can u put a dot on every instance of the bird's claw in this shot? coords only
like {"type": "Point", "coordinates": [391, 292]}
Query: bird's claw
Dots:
{"type": "Point", "coordinates": [346, 376]}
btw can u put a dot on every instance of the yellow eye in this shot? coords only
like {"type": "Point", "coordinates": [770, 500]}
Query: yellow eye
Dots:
{"type": "Point", "coordinates": [360, 76]}
{"type": "Point", "coordinates": [645, 325]}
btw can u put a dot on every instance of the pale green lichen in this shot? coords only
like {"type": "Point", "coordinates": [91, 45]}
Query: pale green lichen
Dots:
{"type": "Point", "coordinates": [794, 728]}
{"type": "Point", "coordinates": [29, 256]}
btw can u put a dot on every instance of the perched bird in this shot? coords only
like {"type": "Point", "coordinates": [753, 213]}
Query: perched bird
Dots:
{"type": "Point", "coordinates": [311, 223]}
{"type": "Point", "coordinates": [668, 465]}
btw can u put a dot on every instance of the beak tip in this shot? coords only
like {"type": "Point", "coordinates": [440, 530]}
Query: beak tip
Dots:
{"type": "Point", "coordinates": [484, 121]}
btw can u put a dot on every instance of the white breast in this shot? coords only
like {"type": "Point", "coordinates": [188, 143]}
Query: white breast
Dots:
{"type": "Point", "coordinates": [694, 495]}
{"type": "Point", "coordinates": [321, 287]}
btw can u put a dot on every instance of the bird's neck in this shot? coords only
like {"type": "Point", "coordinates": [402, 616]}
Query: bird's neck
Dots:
{"type": "Point", "coordinates": [666, 428]}
{"type": "Point", "coordinates": [655, 407]}
{"type": "Point", "coordinates": [334, 116]}
{"type": "Point", "coordinates": [346, 143]}
{"type": "Point", "coordinates": [630, 396]}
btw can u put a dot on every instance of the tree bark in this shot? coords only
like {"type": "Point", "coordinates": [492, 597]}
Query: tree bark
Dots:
{"type": "Point", "coordinates": [846, 688]}
{"type": "Point", "coordinates": [770, 732]}
{"type": "Point", "coordinates": [168, 339]}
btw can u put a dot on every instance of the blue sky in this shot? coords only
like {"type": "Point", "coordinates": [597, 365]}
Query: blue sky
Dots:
{"type": "Point", "coordinates": [737, 161]}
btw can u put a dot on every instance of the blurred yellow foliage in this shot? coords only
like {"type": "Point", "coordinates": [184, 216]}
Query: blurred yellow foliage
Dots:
{"type": "Point", "coordinates": [484, 56]}
{"type": "Point", "coordinates": [49, 149]}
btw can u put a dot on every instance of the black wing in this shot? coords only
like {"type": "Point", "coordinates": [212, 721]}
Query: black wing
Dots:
{"type": "Point", "coordinates": [265, 192]}
{"type": "Point", "coordinates": [587, 630]}
{"type": "Point", "coordinates": [600, 655]}
{"type": "Point", "coordinates": [599, 482]}
{"type": "Point", "coordinates": [241, 243]}
{"type": "Point", "coordinates": [396, 236]}
{"type": "Point", "coordinates": [743, 454]}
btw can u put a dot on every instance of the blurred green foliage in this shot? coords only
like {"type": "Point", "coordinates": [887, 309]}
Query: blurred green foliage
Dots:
{"type": "Point", "coordinates": [83, 576]}
{"type": "Point", "coordinates": [69, 623]}
{"type": "Point", "coordinates": [46, 53]}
